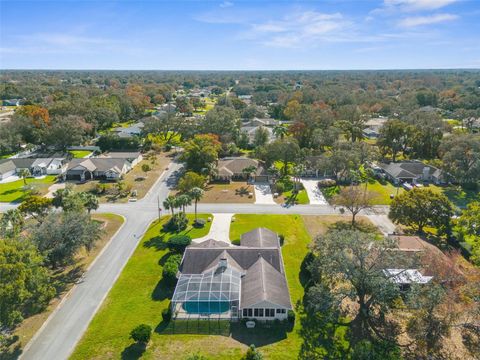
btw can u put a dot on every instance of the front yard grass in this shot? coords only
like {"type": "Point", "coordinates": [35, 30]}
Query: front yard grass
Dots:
{"type": "Point", "coordinates": [291, 198]}
{"type": "Point", "coordinates": [65, 278]}
{"type": "Point", "coordinates": [136, 178]}
{"type": "Point", "coordinates": [139, 296]}
{"type": "Point", "coordinates": [13, 191]}
{"type": "Point", "coordinates": [235, 192]}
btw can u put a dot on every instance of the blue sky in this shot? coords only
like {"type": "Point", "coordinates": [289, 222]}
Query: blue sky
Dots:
{"type": "Point", "coordinates": [244, 35]}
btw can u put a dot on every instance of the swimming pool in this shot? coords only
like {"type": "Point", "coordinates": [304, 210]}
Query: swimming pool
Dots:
{"type": "Point", "coordinates": [206, 307]}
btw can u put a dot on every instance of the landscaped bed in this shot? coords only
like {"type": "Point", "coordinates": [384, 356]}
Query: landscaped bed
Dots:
{"type": "Point", "coordinates": [14, 192]}
{"type": "Point", "coordinates": [66, 277]}
{"type": "Point", "coordinates": [140, 295]}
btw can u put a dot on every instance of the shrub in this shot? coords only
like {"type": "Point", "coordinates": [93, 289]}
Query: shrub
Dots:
{"type": "Point", "coordinates": [178, 243]}
{"type": "Point", "coordinates": [177, 222]}
{"type": "Point", "coordinates": [146, 168]}
{"type": "Point", "coordinates": [279, 187]}
{"type": "Point", "coordinates": [170, 269]}
{"type": "Point", "coordinates": [196, 357]}
{"type": "Point", "coordinates": [326, 183]}
{"type": "Point", "coordinates": [291, 316]}
{"type": "Point", "coordinates": [167, 314]}
{"type": "Point", "coordinates": [99, 189]}
{"type": "Point", "coordinates": [199, 223]}
{"type": "Point", "coordinates": [281, 238]}
{"type": "Point", "coordinates": [141, 333]}
{"type": "Point", "coordinates": [253, 354]}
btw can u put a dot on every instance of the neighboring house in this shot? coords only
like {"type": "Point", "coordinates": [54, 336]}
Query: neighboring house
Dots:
{"type": "Point", "coordinates": [97, 168]}
{"type": "Point", "coordinates": [251, 130]}
{"type": "Point", "coordinates": [404, 278]}
{"type": "Point", "coordinates": [36, 166]}
{"type": "Point", "coordinates": [412, 172]}
{"type": "Point", "coordinates": [13, 102]}
{"type": "Point", "coordinates": [7, 169]}
{"type": "Point", "coordinates": [132, 157]}
{"type": "Point", "coordinates": [373, 126]}
{"type": "Point", "coordinates": [262, 122]}
{"type": "Point", "coordinates": [132, 130]}
{"type": "Point", "coordinates": [221, 281]}
{"type": "Point", "coordinates": [231, 168]}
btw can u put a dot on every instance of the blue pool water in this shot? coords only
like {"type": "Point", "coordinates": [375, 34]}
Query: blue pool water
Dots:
{"type": "Point", "coordinates": [214, 307]}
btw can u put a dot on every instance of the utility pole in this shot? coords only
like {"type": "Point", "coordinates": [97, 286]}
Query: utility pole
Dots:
{"type": "Point", "coordinates": [159, 208]}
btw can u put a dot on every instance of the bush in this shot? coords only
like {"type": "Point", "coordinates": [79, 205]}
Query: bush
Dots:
{"type": "Point", "coordinates": [167, 314]}
{"type": "Point", "coordinates": [141, 333]}
{"type": "Point", "coordinates": [330, 192]}
{"type": "Point", "coordinates": [146, 168]}
{"type": "Point", "coordinates": [281, 238]}
{"type": "Point", "coordinates": [99, 189]}
{"type": "Point", "coordinates": [199, 223]}
{"type": "Point", "coordinates": [178, 243]}
{"type": "Point", "coordinates": [253, 354]}
{"type": "Point", "coordinates": [279, 187]}
{"type": "Point", "coordinates": [177, 222]}
{"type": "Point", "coordinates": [170, 269]}
{"type": "Point", "coordinates": [291, 316]}
{"type": "Point", "coordinates": [326, 183]}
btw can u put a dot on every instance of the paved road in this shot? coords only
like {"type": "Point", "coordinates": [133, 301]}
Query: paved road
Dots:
{"type": "Point", "coordinates": [64, 328]}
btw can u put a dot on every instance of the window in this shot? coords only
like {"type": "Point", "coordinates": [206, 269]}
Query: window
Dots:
{"type": "Point", "coordinates": [255, 312]}
{"type": "Point", "coordinates": [269, 312]}
{"type": "Point", "coordinates": [260, 312]}
{"type": "Point", "coordinates": [281, 311]}
{"type": "Point", "coordinates": [245, 312]}
{"type": "Point", "coordinates": [250, 312]}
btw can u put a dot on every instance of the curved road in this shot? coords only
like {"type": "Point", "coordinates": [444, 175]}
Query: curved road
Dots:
{"type": "Point", "coordinates": [65, 326]}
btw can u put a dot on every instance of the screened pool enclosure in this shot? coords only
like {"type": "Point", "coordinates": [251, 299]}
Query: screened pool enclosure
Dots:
{"type": "Point", "coordinates": [214, 293]}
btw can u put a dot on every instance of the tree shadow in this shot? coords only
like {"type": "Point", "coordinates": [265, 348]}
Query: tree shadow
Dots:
{"type": "Point", "coordinates": [156, 242]}
{"type": "Point", "coordinates": [11, 353]}
{"type": "Point", "coordinates": [243, 191]}
{"type": "Point", "coordinates": [133, 351]}
{"type": "Point", "coordinates": [162, 291]}
{"type": "Point", "coordinates": [261, 335]}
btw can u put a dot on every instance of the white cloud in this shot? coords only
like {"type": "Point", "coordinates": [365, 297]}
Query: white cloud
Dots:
{"type": "Point", "coordinates": [298, 29]}
{"type": "Point", "coordinates": [414, 5]}
{"type": "Point", "coordinates": [426, 20]}
{"type": "Point", "coordinates": [226, 4]}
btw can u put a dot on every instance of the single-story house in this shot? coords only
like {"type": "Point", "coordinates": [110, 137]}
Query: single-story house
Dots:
{"type": "Point", "coordinates": [373, 126]}
{"type": "Point", "coordinates": [221, 281]}
{"type": "Point", "coordinates": [251, 131]}
{"type": "Point", "coordinates": [7, 168]}
{"type": "Point", "coordinates": [132, 130]}
{"type": "Point", "coordinates": [97, 168]}
{"type": "Point", "coordinates": [133, 157]}
{"type": "Point", "coordinates": [232, 168]}
{"type": "Point", "coordinates": [36, 166]}
{"type": "Point", "coordinates": [412, 172]}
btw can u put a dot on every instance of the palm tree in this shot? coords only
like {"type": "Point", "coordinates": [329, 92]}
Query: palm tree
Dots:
{"type": "Point", "coordinates": [183, 201]}
{"type": "Point", "coordinates": [11, 222]}
{"type": "Point", "coordinates": [24, 173]}
{"type": "Point", "coordinates": [196, 194]}
{"type": "Point", "coordinates": [170, 203]}
{"type": "Point", "coordinates": [280, 131]}
{"type": "Point", "coordinates": [90, 201]}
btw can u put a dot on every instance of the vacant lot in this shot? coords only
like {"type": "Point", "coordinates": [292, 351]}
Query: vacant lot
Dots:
{"type": "Point", "coordinates": [65, 278]}
{"type": "Point", "coordinates": [235, 192]}
{"type": "Point", "coordinates": [14, 192]}
{"type": "Point", "coordinates": [137, 179]}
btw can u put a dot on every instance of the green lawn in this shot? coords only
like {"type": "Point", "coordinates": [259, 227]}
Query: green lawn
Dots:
{"type": "Point", "coordinates": [139, 296]}
{"type": "Point", "coordinates": [79, 154]}
{"type": "Point", "coordinates": [288, 197]}
{"type": "Point", "coordinates": [13, 191]}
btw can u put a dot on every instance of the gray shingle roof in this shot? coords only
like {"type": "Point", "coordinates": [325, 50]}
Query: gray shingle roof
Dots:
{"type": "Point", "coordinates": [264, 283]}
{"type": "Point", "coordinates": [409, 169]}
{"type": "Point", "coordinates": [259, 237]}
{"type": "Point", "coordinates": [6, 166]}
{"type": "Point", "coordinates": [98, 164]}
{"type": "Point", "coordinates": [230, 166]}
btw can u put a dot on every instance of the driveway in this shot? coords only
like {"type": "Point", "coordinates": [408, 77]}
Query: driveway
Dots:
{"type": "Point", "coordinates": [314, 194]}
{"type": "Point", "coordinates": [263, 194]}
{"type": "Point", "coordinates": [219, 230]}
{"type": "Point", "coordinates": [54, 188]}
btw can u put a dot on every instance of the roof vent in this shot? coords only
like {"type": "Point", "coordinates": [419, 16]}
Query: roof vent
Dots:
{"type": "Point", "coordinates": [222, 264]}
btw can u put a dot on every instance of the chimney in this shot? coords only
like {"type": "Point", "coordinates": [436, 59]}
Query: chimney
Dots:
{"type": "Point", "coordinates": [426, 173]}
